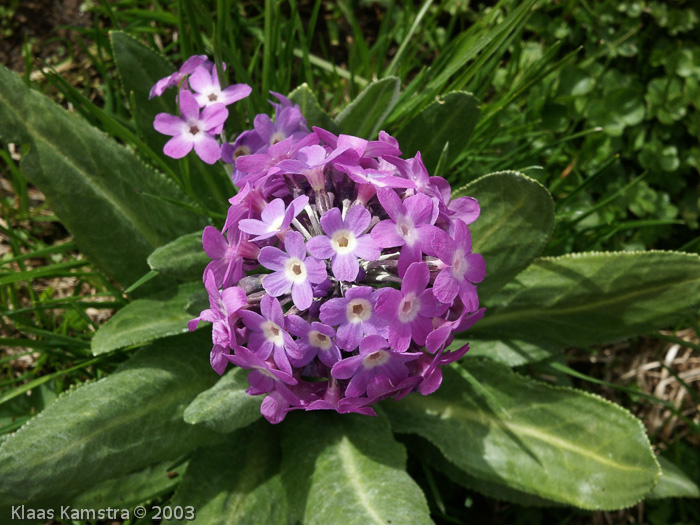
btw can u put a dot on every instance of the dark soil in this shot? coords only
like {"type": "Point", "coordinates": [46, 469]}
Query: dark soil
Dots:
{"type": "Point", "coordinates": [45, 25]}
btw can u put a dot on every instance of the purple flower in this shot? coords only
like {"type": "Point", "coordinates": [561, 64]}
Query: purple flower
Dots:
{"type": "Point", "coordinates": [275, 218]}
{"type": "Point", "coordinates": [224, 309]}
{"type": "Point", "coordinates": [267, 334]}
{"type": "Point", "coordinates": [229, 252]}
{"type": "Point", "coordinates": [430, 368]}
{"type": "Point", "coordinates": [461, 267]}
{"type": "Point", "coordinates": [174, 80]}
{"type": "Point", "coordinates": [292, 270]}
{"type": "Point", "coordinates": [355, 314]}
{"type": "Point", "coordinates": [192, 129]}
{"type": "Point", "coordinates": [375, 359]}
{"type": "Point", "coordinates": [208, 89]}
{"type": "Point", "coordinates": [315, 339]}
{"type": "Point", "coordinates": [310, 162]}
{"type": "Point", "coordinates": [410, 310]}
{"type": "Point", "coordinates": [344, 242]}
{"type": "Point", "coordinates": [264, 379]}
{"type": "Point", "coordinates": [410, 226]}
{"type": "Point", "coordinates": [289, 122]}
{"type": "Point", "coordinates": [257, 166]}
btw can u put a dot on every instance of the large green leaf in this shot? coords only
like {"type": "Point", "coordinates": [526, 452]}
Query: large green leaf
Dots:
{"type": "Point", "coordinates": [237, 481]}
{"type": "Point", "coordinates": [507, 351]}
{"type": "Point", "coordinates": [451, 118]}
{"type": "Point", "coordinates": [112, 203]}
{"type": "Point", "coordinates": [147, 319]}
{"type": "Point", "coordinates": [365, 115]}
{"type": "Point", "coordinates": [556, 443]}
{"type": "Point", "coordinates": [126, 491]}
{"type": "Point", "coordinates": [225, 406]}
{"type": "Point", "coordinates": [348, 469]}
{"type": "Point", "coordinates": [139, 69]}
{"type": "Point", "coordinates": [311, 109]}
{"type": "Point", "coordinates": [430, 454]}
{"type": "Point", "coordinates": [183, 259]}
{"type": "Point", "coordinates": [102, 430]}
{"type": "Point", "coordinates": [590, 298]}
{"type": "Point", "coordinates": [674, 483]}
{"type": "Point", "coordinates": [517, 217]}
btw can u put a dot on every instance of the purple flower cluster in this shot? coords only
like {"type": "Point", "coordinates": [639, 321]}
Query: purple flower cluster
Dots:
{"type": "Point", "coordinates": [365, 262]}
{"type": "Point", "coordinates": [199, 88]}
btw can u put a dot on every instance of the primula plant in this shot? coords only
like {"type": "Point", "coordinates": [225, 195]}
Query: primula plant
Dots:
{"type": "Point", "coordinates": [322, 272]}
{"type": "Point", "coordinates": [336, 220]}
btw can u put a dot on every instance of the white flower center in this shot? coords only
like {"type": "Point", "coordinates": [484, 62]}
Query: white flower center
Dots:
{"type": "Point", "coordinates": [295, 270]}
{"type": "Point", "coordinates": [358, 310]}
{"type": "Point", "coordinates": [276, 224]}
{"type": "Point", "coordinates": [406, 229]}
{"type": "Point", "coordinates": [408, 308]}
{"type": "Point", "coordinates": [459, 264]}
{"type": "Point", "coordinates": [343, 241]}
{"type": "Point", "coordinates": [377, 358]}
{"type": "Point", "coordinates": [272, 333]}
{"type": "Point", "coordinates": [319, 340]}
{"type": "Point", "coordinates": [241, 150]}
{"type": "Point", "coordinates": [276, 137]}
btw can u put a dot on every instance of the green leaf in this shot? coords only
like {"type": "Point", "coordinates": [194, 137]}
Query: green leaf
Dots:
{"type": "Point", "coordinates": [673, 483]}
{"type": "Point", "coordinates": [507, 351]}
{"type": "Point", "coordinates": [225, 406]}
{"type": "Point", "coordinates": [556, 443]}
{"type": "Point", "coordinates": [311, 109]}
{"type": "Point", "coordinates": [237, 481]}
{"type": "Point", "coordinates": [365, 115]}
{"type": "Point", "coordinates": [348, 469]}
{"type": "Point", "coordinates": [139, 69]}
{"type": "Point", "coordinates": [126, 491]}
{"type": "Point", "coordinates": [429, 453]}
{"type": "Point", "coordinates": [183, 259]}
{"type": "Point", "coordinates": [451, 118]}
{"type": "Point", "coordinates": [147, 319]}
{"type": "Point", "coordinates": [516, 221]}
{"type": "Point", "coordinates": [96, 187]}
{"type": "Point", "coordinates": [122, 423]}
{"type": "Point", "coordinates": [591, 298]}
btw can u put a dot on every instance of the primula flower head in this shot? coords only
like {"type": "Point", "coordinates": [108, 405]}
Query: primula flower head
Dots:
{"type": "Point", "coordinates": [342, 271]}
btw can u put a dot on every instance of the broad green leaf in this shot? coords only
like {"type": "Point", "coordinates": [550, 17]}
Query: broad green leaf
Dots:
{"type": "Point", "coordinates": [126, 491]}
{"type": "Point", "coordinates": [122, 423]}
{"type": "Point", "coordinates": [225, 406]}
{"type": "Point", "coordinates": [348, 469]}
{"type": "Point", "coordinates": [517, 217]}
{"type": "Point", "coordinates": [451, 118]}
{"type": "Point", "coordinates": [311, 109]}
{"type": "Point", "coordinates": [139, 69]}
{"type": "Point", "coordinates": [590, 298]}
{"type": "Point", "coordinates": [507, 351]}
{"type": "Point", "coordinates": [365, 115]}
{"type": "Point", "coordinates": [556, 443]}
{"type": "Point", "coordinates": [430, 454]}
{"type": "Point", "coordinates": [673, 483]}
{"type": "Point", "coordinates": [183, 259]}
{"type": "Point", "coordinates": [147, 319]}
{"type": "Point", "coordinates": [238, 481]}
{"type": "Point", "coordinates": [107, 198]}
